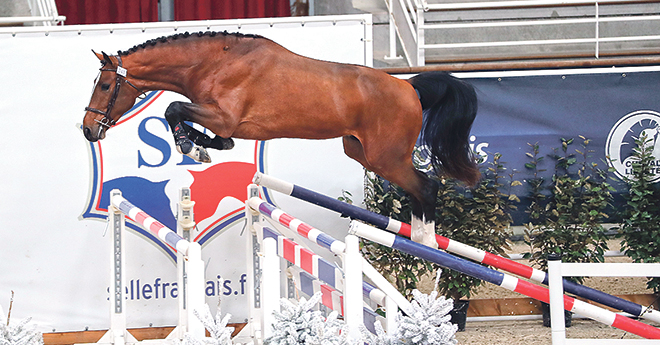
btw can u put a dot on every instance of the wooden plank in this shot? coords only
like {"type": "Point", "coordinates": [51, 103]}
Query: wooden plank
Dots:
{"type": "Point", "coordinates": [529, 306]}
{"type": "Point", "coordinates": [641, 299]}
{"type": "Point", "coordinates": [68, 338]}
{"type": "Point", "coordinates": [504, 306]}
{"type": "Point", "coordinates": [61, 338]}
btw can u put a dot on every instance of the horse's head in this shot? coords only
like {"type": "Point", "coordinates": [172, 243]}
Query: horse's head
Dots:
{"type": "Point", "coordinates": [109, 99]}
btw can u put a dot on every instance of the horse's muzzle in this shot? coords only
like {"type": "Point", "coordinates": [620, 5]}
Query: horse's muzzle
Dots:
{"type": "Point", "coordinates": [88, 134]}
{"type": "Point", "coordinates": [94, 135]}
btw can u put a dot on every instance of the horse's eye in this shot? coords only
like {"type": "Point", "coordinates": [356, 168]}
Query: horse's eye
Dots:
{"type": "Point", "coordinates": [105, 87]}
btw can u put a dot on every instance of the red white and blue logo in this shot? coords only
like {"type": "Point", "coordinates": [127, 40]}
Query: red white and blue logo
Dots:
{"type": "Point", "coordinates": [138, 157]}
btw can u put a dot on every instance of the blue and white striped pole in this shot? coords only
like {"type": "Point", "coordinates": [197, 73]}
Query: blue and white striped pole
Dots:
{"type": "Point", "coordinates": [506, 281]}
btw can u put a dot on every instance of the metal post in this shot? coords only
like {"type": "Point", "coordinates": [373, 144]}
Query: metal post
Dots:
{"type": "Point", "coordinates": [117, 314]}
{"type": "Point", "coordinates": [419, 24]}
{"type": "Point", "coordinates": [185, 224]}
{"type": "Point", "coordinates": [253, 263]}
{"type": "Point", "coordinates": [392, 31]}
{"type": "Point", "coordinates": [556, 291]}
{"type": "Point", "coordinates": [195, 291]}
{"type": "Point", "coordinates": [597, 32]}
{"type": "Point", "coordinates": [353, 314]}
{"type": "Point", "coordinates": [271, 278]}
{"type": "Point", "coordinates": [392, 311]}
{"type": "Point", "coordinates": [117, 334]}
{"type": "Point", "coordinates": [166, 10]}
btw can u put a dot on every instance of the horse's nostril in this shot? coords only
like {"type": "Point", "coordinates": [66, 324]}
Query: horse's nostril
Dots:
{"type": "Point", "coordinates": [88, 133]}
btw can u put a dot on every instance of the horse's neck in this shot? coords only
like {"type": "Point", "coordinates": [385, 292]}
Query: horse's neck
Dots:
{"type": "Point", "coordinates": [174, 67]}
{"type": "Point", "coordinates": [159, 68]}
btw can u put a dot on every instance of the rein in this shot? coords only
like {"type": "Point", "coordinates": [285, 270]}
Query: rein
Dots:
{"type": "Point", "coordinates": [121, 73]}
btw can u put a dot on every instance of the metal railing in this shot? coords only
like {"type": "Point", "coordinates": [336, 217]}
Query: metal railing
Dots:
{"type": "Point", "coordinates": [44, 13]}
{"type": "Point", "coordinates": [413, 21]}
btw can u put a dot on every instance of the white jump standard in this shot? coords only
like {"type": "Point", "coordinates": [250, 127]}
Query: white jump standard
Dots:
{"type": "Point", "coordinates": [191, 288]}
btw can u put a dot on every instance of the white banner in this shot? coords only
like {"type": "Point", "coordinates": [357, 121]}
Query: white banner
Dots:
{"type": "Point", "coordinates": [55, 253]}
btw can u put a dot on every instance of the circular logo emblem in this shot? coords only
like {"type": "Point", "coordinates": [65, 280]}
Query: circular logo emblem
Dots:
{"type": "Point", "coordinates": [621, 141]}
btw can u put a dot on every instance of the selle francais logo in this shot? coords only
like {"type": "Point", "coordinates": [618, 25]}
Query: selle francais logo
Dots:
{"type": "Point", "coordinates": [138, 157]}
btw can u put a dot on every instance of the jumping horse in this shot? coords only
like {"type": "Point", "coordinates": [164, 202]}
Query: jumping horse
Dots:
{"type": "Point", "coordinates": [249, 87]}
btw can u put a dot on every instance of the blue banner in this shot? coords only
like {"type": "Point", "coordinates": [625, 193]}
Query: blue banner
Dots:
{"type": "Point", "coordinates": [609, 108]}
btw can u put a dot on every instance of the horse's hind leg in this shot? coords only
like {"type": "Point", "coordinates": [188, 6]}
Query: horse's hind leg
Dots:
{"type": "Point", "coordinates": [422, 190]}
{"type": "Point", "coordinates": [353, 148]}
{"type": "Point", "coordinates": [423, 193]}
{"type": "Point", "coordinates": [188, 140]}
{"type": "Point", "coordinates": [423, 220]}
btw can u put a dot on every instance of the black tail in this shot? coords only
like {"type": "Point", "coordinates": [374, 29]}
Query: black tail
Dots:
{"type": "Point", "coordinates": [450, 106]}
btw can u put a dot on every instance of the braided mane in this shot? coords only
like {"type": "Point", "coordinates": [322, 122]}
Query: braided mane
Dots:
{"type": "Point", "coordinates": [165, 39]}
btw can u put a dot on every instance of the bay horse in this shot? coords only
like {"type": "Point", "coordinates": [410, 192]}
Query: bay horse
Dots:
{"type": "Point", "coordinates": [249, 87]}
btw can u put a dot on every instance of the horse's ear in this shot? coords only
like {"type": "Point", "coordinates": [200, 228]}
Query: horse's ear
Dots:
{"type": "Point", "coordinates": [102, 57]}
{"type": "Point", "coordinates": [98, 56]}
{"type": "Point", "coordinates": [106, 58]}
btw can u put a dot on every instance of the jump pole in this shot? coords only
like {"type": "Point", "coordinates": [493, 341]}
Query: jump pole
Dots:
{"type": "Point", "coordinates": [506, 281]}
{"type": "Point", "coordinates": [256, 204]}
{"type": "Point", "coordinates": [349, 253]}
{"type": "Point", "coordinates": [191, 251]}
{"type": "Point", "coordinates": [508, 265]}
{"type": "Point", "coordinates": [317, 267]}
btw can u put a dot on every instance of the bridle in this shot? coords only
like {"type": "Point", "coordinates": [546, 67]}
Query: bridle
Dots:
{"type": "Point", "coordinates": [121, 73]}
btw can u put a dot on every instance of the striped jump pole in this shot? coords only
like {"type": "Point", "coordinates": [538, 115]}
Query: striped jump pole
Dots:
{"type": "Point", "coordinates": [195, 282]}
{"type": "Point", "coordinates": [146, 221]}
{"type": "Point", "coordinates": [498, 278]}
{"type": "Point", "coordinates": [349, 253]}
{"type": "Point", "coordinates": [309, 232]}
{"type": "Point", "coordinates": [330, 297]}
{"type": "Point", "coordinates": [452, 246]}
{"type": "Point", "coordinates": [317, 267]}
{"type": "Point", "coordinates": [326, 241]}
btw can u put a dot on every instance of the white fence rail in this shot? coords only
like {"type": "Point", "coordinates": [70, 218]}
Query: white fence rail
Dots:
{"type": "Point", "coordinates": [557, 270]}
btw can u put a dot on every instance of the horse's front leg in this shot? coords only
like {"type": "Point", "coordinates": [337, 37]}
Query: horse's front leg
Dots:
{"type": "Point", "coordinates": [188, 140]}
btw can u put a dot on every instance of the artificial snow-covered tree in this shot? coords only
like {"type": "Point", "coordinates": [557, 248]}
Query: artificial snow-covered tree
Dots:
{"type": "Point", "coordinates": [217, 327]}
{"type": "Point", "coordinates": [187, 340]}
{"type": "Point", "coordinates": [298, 324]}
{"type": "Point", "coordinates": [21, 334]}
{"type": "Point", "coordinates": [428, 324]}
{"type": "Point", "coordinates": [220, 333]}
{"type": "Point", "coordinates": [380, 338]}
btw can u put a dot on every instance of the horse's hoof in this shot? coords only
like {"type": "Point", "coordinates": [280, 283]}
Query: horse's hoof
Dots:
{"type": "Point", "coordinates": [199, 154]}
{"type": "Point", "coordinates": [228, 144]}
{"type": "Point", "coordinates": [432, 243]}
{"type": "Point", "coordinates": [184, 146]}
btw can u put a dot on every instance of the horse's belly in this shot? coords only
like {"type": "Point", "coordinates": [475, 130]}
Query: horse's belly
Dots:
{"type": "Point", "coordinates": [310, 129]}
